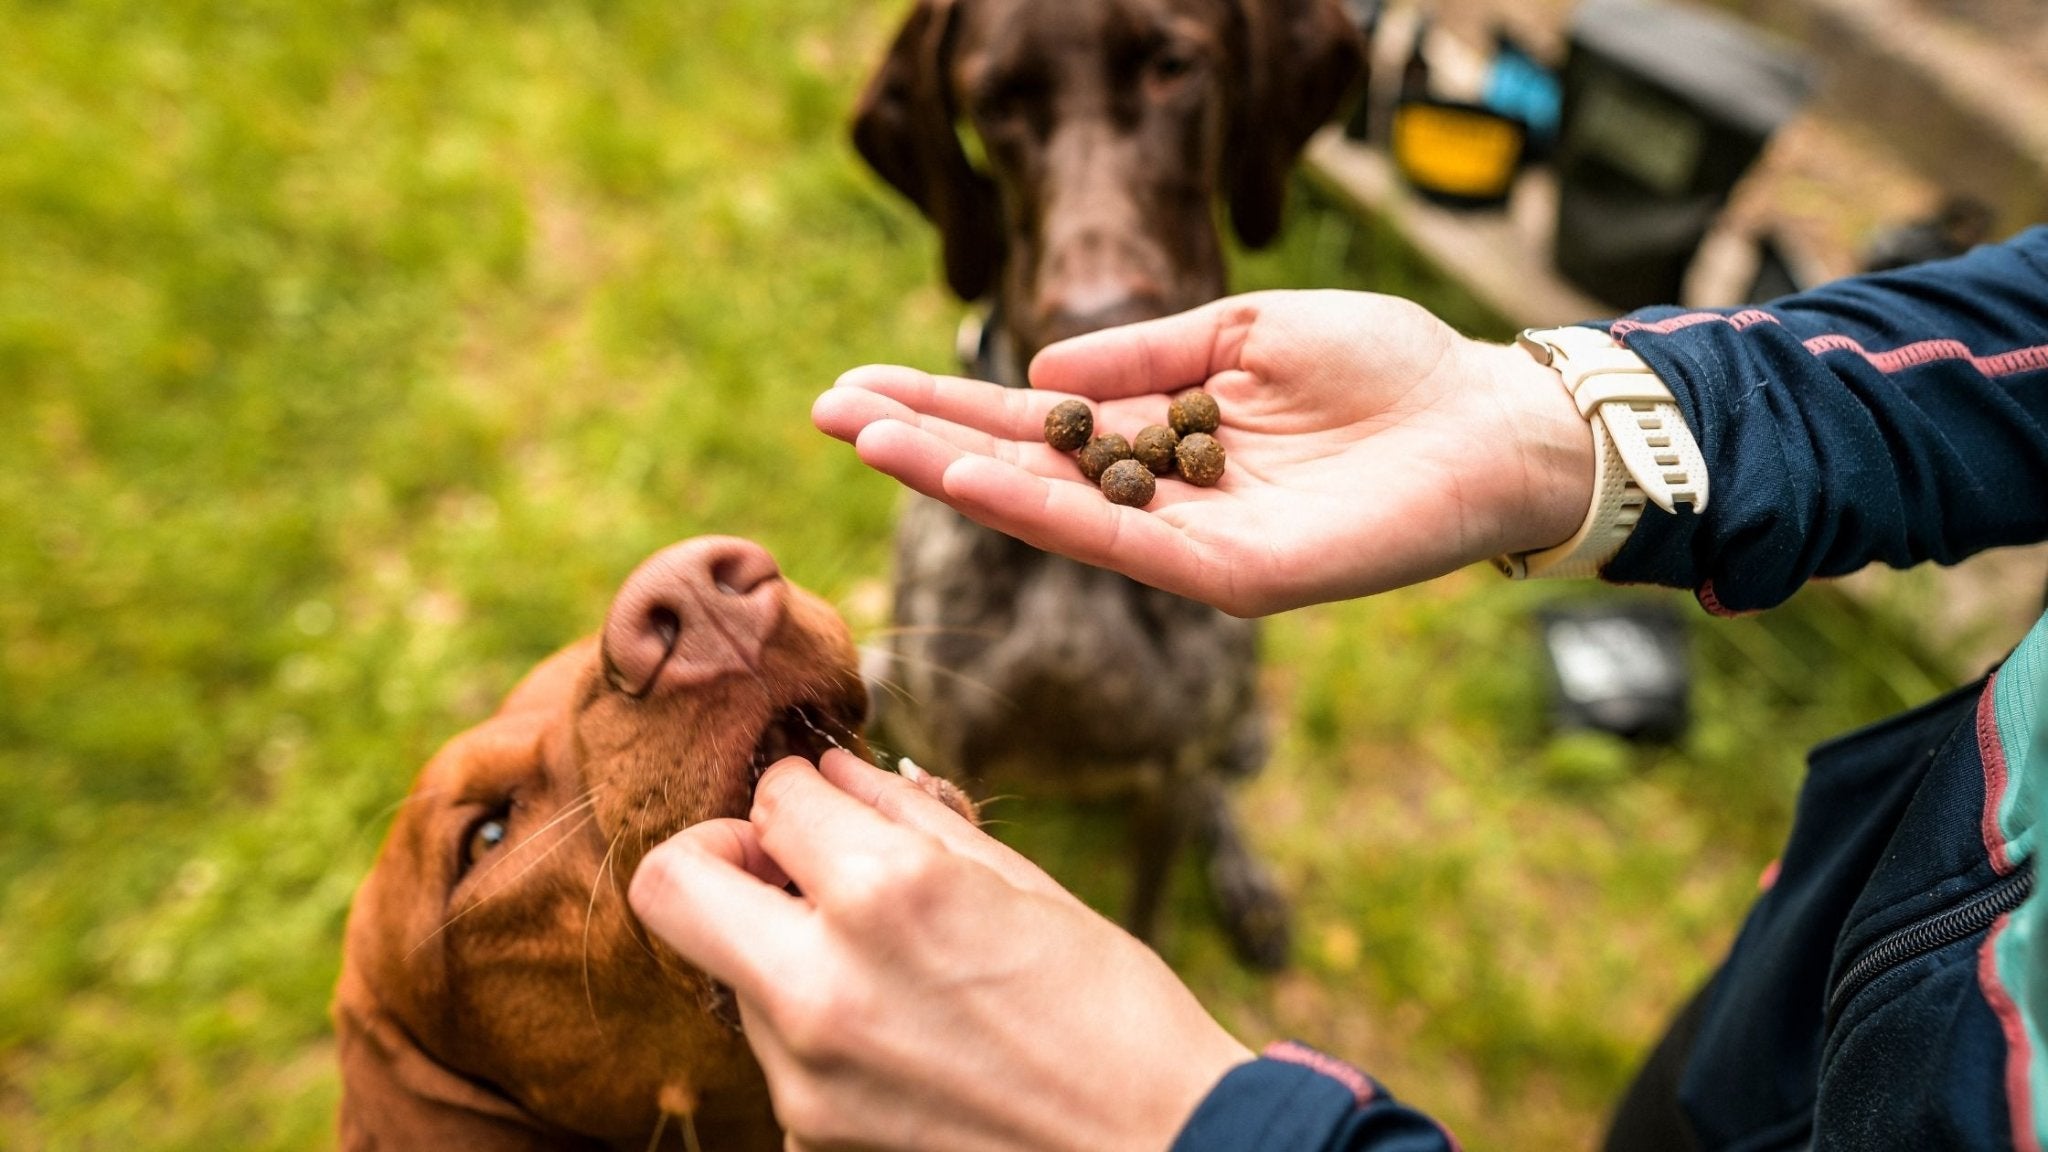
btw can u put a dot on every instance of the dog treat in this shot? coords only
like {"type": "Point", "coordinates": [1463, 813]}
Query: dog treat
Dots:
{"type": "Point", "coordinates": [1101, 452]}
{"type": "Point", "coordinates": [1128, 482]}
{"type": "Point", "coordinates": [1200, 459]}
{"type": "Point", "coordinates": [1194, 412]}
{"type": "Point", "coordinates": [1069, 425]}
{"type": "Point", "coordinates": [1154, 448]}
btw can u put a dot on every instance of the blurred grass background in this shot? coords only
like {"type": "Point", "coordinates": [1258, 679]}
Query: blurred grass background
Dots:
{"type": "Point", "coordinates": [350, 355]}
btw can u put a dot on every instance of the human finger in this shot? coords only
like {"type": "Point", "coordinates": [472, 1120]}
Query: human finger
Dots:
{"type": "Point", "coordinates": [919, 457]}
{"type": "Point", "coordinates": [1161, 355]}
{"type": "Point", "coordinates": [828, 842]}
{"type": "Point", "coordinates": [1076, 521]}
{"type": "Point", "coordinates": [1010, 413]}
{"type": "Point", "coordinates": [1053, 514]}
{"type": "Point", "coordinates": [903, 801]}
{"type": "Point", "coordinates": [846, 412]}
{"type": "Point", "coordinates": [694, 890]}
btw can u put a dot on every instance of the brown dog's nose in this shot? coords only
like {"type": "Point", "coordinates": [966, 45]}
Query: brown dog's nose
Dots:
{"type": "Point", "coordinates": [691, 613]}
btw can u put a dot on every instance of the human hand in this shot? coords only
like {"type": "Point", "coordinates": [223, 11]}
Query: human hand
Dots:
{"type": "Point", "coordinates": [930, 988]}
{"type": "Point", "coordinates": [1370, 446]}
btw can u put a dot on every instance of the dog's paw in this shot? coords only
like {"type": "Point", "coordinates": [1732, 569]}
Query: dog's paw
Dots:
{"type": "Point", "coordinates": [1254, 912]}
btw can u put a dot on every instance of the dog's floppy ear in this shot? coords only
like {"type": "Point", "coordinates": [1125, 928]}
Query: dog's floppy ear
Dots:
{"type": "Point", "coordinates": [1300, 58]}
{"type": "Point", "coordinates": [396, 1098]}
{"type": "Point", "coordinates": [904, 129]}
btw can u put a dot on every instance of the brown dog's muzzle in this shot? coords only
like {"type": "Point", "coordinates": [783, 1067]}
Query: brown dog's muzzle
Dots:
{"type": "Point", "coordinates": [713, 667]}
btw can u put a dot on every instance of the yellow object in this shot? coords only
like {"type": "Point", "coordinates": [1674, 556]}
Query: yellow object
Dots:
{"type": "Point", "coordinates": [1469, 153]}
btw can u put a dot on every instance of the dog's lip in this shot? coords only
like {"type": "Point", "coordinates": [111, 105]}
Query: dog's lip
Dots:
{"type": "Point", "coordinates": [804, 729]}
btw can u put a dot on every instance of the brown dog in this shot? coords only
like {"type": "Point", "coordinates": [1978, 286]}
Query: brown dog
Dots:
{"type": "Point", "coordinates": [1110, 129]}
{"type": "Point", "coordinates": [496, 991]}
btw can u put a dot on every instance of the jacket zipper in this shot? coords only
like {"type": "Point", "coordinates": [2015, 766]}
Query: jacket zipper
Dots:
{"type": "Point", "coordinates": [1930, 935]}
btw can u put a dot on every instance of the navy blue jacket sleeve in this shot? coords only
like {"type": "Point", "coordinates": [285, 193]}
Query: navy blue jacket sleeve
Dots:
{"type": "Point", "coordinates": [1900, 418]}
{"type": "Point", "coordinates": [1295, 1099]}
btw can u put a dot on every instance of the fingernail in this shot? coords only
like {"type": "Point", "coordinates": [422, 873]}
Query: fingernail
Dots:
{"type": "Point", "coordinates": [909, 770]}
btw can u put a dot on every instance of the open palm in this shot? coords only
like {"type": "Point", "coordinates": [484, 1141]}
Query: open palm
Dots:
{"type": "Point", "coordinates": [1369, 446]}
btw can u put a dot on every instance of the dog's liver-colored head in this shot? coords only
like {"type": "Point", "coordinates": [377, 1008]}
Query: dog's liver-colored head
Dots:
{"type": "Point", "coordinates": [497, 992]}
{"type": "Point", "coordinates": [1109, 128]}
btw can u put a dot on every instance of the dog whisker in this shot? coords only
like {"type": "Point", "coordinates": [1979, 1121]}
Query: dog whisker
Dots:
{"type": "Point", "coordinates": [958, 676]}
{"type": "Point", "coordinates": [931, 630]}
{"type": "Point", "coordinates": [897, 690]}
{"type": "Point", "coordinates": [892, 687]}
{"type": "Point", "coordinates": [590, 913]}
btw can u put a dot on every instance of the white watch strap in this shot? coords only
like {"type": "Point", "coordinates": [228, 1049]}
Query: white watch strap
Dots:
{"type": "Point", "coordinates": [1642, 449]}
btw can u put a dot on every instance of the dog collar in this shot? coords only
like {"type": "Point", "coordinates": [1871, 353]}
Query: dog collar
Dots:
{"type": "Point", "coordinates": [1642, 449]}
{"type": "Point", "coordinates": [984, 349]}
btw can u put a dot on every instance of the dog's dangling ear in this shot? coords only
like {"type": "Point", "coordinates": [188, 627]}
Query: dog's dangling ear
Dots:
{"type": "Point", "coordinates": [905, 129]}
{"type": "Point", "coordinates": [396, 1098]}
{"type": "Point", "coordinates": [1299, 59]}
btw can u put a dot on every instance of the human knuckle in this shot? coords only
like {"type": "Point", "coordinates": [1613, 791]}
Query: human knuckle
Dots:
{"type": "Point", "coordinates": [891, 882]}
{"type": "Point", "coordinates": [1241, 311]}
{"type": "Point", "coordinates": [815, 1026]}
{"type": "Point", "coordinates": [802, 1109]}
{"type": "Point", "coordinates": [864, 894]}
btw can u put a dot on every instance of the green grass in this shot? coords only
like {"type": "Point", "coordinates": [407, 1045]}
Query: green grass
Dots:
{"type": "Point", "coordinates": [350, 354]}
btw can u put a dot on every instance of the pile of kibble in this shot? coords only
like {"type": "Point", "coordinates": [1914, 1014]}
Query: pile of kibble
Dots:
{"type": "Point", "coordinates": [1183, 446]}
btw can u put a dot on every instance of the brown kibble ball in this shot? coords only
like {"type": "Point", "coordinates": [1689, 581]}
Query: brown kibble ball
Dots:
{"type": "Point", "coordinates": [1154, 448]}
{"type": "Point", "coordinates": [1194, 412]}
{"type": "Point", "coordinates": [1200, 459]}
{"type": "Point", "coordinates": [1101, 452]}
{"type": "Point", "coordinates": [1129, 483]}
{"type": "Point", "coordinates": [1069, 425]}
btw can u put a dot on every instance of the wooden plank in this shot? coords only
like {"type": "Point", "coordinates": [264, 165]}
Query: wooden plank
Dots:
{"type": "Point", "coordinates": [1501, 257]}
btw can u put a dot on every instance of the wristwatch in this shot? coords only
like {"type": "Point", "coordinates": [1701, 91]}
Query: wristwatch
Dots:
{"type": "Point", "coordinates": [1642, 450]}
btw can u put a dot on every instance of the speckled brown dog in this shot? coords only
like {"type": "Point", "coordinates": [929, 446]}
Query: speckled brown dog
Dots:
{"type": "Point", "coordinates": [1111, 129]}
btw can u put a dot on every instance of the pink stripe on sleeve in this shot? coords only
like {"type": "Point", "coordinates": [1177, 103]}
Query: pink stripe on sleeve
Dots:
{"type": "Point", "coordinates": [1899, 359]}
{"type": "Point", "coordinates": [2017, 1052]}
{"type": "Point", "coordinates": [1896, 360]}
{"type": "Point", "coordinates": [1991, 750]}
{"type": "Point", "coordinates": [1289, 1052]}
{"type": "Point", "coordinates": [1738, 321]}
{"type": "Point", "coordinates": [1711, 601]}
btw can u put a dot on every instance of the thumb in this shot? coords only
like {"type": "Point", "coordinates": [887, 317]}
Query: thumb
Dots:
{"type": "Point", "coordinates": [1161, 355]}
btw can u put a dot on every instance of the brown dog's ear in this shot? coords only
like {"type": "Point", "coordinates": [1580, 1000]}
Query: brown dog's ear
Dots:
{"type": "Point", "coordinates": [905, 130]}
{"type": "Point", "coordinates": [1301, 57]}
{"type": "Point", "coordinates": [396, 1098]}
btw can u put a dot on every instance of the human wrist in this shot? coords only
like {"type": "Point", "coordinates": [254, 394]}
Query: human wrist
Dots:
{"type": "Point", "coordinates": [1537, 478]}
{"type": "Point", "coordinates": [1180, 1090]}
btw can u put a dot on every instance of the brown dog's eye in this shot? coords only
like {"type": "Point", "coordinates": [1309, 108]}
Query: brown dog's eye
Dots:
{"type": "Point", "coordinates": [483, 836]}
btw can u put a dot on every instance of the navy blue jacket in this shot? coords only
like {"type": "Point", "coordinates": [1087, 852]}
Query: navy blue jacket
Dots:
{"type": "Point", "coordinates": [1891, 989]}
